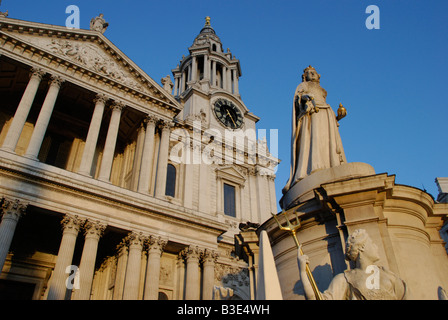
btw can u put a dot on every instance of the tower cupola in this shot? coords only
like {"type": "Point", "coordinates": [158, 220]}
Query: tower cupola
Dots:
{"type": "Point", "coordinates": [207, 67]}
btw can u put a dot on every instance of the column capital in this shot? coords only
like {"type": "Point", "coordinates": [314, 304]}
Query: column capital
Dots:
{"type": "Point", "coordinates": [13, 209]}
{"type": "Point", "coordinates": [165, 125]}
{"type": "Point", "coordinates": [56, 81]}
{"type": "Point", "coordinates": [37, 72]}
{"type": "Point", "coordinates": [151, 119]}
{"type": "Point", "coordinates": [135, 239]}
{"type": "Point", "coordinates": [192, 253]}
{"type": "Point", "coordinates": [122, 248]}
{"type": "Point", "coordinates": [209, 256]}
{"type": "Point", "coordinates": [156, 244]}
{"type": "Point", "coordinates": [72, 223]}
{"type": "Point", "coordinates": [118, 105]}
{"type": "Point", "coordinates": [94, 229]}
{"type": "Point", "coordinates": [101, 98]}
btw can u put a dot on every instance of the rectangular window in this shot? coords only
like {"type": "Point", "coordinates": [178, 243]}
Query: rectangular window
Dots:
{"type": "Point", "coordinates": [170, 188]}
{"type": "Point", "coordinates": [229, 200]}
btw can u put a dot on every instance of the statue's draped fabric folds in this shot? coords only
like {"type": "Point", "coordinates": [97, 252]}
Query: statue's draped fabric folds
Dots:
{"type": "Point", "coordinates": [316, 143]}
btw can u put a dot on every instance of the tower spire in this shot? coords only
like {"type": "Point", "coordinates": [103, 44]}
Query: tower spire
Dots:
{"type": "Point", "coordinates": [207, 21]}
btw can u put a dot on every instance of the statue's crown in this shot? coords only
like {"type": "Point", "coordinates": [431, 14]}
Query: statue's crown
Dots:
{"type": "Point", "coordinates": [309, 68]}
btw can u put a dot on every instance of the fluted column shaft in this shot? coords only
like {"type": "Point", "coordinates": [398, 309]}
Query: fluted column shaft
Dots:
{"type": "Point", "coordinates": [93, 232]}
{"type": "Point", "coordinates": [148, 155]}
{"type": "Point", "coordinates": [155, 250]}
{"type": "Point", "coordinates": [111, 141]}
{"type": "Point", "coordinates": [44, 118]}
{"type": "Point", "coordinates": [19, 120]}
{"type": "Point", "coordinates": [92, 136]}
{"type": "Point", "coordinates": [180, 266]}
{"type": "Point", "coordinates": [133, 269]}
{"type": "Point", "coordinates": [163, 160]}
{"type": "Point", "coordinates": [122, 262]}
{"type": "Point", "coordinates": [192, 287]}
{"type": "Point", "coordinates": [208, 277]}
{"type": "Point", "coordinates": [12, 212]}
{"type": "Point", "coordinates": [58, 287]}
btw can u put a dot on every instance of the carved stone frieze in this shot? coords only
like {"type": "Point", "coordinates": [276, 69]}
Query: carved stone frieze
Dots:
{"type": "Point", "coordinates": [231, 276]}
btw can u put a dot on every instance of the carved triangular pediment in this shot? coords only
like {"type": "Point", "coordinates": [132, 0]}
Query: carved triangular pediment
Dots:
{"type": "Point", "coordinates": [231, 173]}
{"type": "Point", "coordinates": [88, 55]}
{"type": "Point", "coordinates": [90, 51]}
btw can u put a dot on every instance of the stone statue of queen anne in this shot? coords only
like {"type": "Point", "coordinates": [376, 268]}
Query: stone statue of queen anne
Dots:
{"type": "Point", "coordinates": [316, 143]}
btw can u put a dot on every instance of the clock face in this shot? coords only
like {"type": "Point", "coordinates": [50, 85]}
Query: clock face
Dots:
{"type": "Point", "coordinates": [228, 113]}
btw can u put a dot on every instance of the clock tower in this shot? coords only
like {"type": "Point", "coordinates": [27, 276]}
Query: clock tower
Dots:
{"type": "Point", "coordinates": [228, 172]}
{"type": "Point", "coordinates": [207, 84]}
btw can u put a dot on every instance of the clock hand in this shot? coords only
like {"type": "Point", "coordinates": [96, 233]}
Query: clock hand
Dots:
{"type": "Point", "coordinates": [231, 117]}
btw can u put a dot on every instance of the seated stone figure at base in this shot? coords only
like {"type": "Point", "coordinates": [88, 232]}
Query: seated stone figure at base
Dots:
{"type": "Point", "coordinates": [366, 281]}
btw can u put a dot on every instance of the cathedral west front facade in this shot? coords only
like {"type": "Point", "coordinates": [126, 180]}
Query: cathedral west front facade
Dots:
{"type": "Point", "coordinates": [114, 186]}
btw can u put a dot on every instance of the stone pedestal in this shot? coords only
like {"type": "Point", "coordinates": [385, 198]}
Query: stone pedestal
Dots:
{"type": "Point", "coordinates": [402, 221]}
{"type": "Point", "coordinates": [303, 190]}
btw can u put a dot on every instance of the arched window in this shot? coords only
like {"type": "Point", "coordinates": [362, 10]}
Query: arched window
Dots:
{"type": "Point", "coordinates": [170, 189]}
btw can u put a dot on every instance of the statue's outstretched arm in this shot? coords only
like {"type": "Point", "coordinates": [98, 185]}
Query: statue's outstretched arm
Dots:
{"type": "Point", "coordinates": [303, 260]}
{"type": "Point", "coordinates": [337, 290]}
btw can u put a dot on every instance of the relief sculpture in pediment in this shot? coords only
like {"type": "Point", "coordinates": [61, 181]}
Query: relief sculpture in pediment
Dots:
{"type": "Point", "coordinates": [94, 58]}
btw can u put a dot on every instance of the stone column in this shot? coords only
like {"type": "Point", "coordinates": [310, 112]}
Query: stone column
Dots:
{"type": "Point", "coordinates": [122, 261]}
{"type": "Point", "coordinates": [182, 83]}
{"type": "Point", "coordinates": [131, 284]}
{"type": "Point", "coordinates": [111, 141]}
{"type": "Point", "coordinates": [213, 76]}
{"type": "Point", "coordinates": [163, 160]}
{"type": "Point", "coordinates": [229, 80]}
{"type": "Point", "coordinates": [138, 155]}
{"type": "Point", "coordinates": [92, 135]}
{"type": "Point", "coordinates": [12, 212]}
{"type": "Point", "coordinates": [44, 118]}
{"type": "Point", "coordinates": [19, 120]}
{"type": "Point", "coordinates": [148, 155]}
{"type": "Point", "coordinates": [58, 287]}
{"type": "Point", "coordinates": [176, 86]}
{"type": "Point", "coordinates": [180, 266]}
{"type": "Point", "coordinates": [206, 68]}
{"type": "Point", "coordinates": [194, 69]}
{"type": "Point", "coordinates": [235, 82]}
{"type": "Point", "coordinates": [192, 287]}
{"type": "Point", "coordinates": [155, 250]}
{"type": "Point", "coordinates": [208, 278]}
{"type": "Point", "coordinates": [224, 77]}
{"type": "Point", "coordinates": [93, 232]}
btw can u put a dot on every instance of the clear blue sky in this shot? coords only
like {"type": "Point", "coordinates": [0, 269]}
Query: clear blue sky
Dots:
{"type": "Point", "coordinates": [393, 81]}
